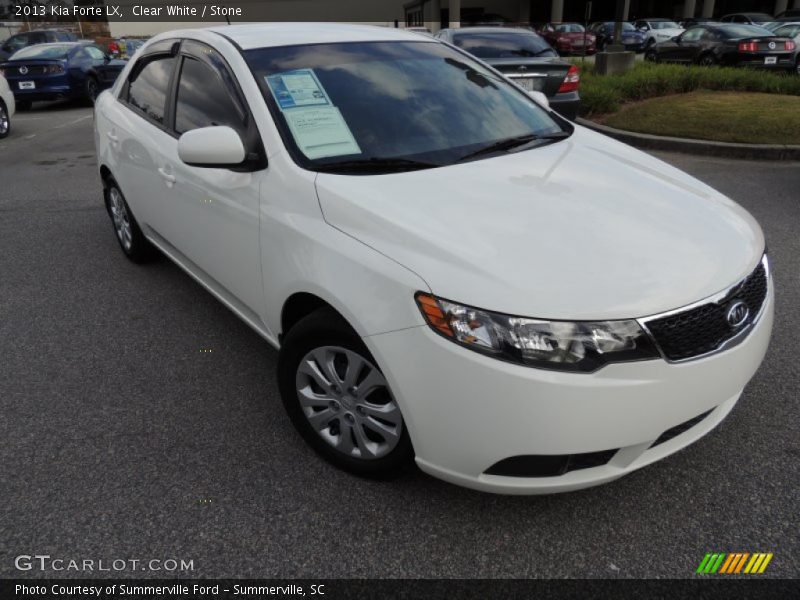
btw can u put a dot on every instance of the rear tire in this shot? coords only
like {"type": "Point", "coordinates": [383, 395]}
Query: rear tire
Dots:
{"type": "Point", "coordinates": [338, 399]}
{"type": "Point", "coordinates": [128, 233]}
{"type": "Point", "coordinates": [651, 55]}
{"type": "Point", "coordinates": [5, 121]}
{"type": "Point", "coordinates": [707, 60]}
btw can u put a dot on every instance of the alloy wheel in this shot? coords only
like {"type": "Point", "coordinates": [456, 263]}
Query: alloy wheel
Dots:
{"type": "Point", "coordinates": [91, 89]}
{"type": "Point", "coordinates": [346, 400]}
{"type": "Point", "coordinates": [4, 121]}
{"type": "Point", "coordinates": [121, 218]}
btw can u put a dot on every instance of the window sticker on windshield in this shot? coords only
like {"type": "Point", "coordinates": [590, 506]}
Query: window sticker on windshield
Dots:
{"type": "Point", "coordinates": [321, 132]}
{"type": "Point", "coordinates": [297, 88]}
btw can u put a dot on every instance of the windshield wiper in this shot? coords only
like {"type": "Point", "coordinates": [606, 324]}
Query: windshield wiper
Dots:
{"type": "Point", "coordinates": [379, 165]}
{"type": "Point", "coordinates": [515, 142]}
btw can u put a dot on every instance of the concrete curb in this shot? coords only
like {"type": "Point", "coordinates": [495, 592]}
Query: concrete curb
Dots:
{"type": "Point", "coordinates": [705, 148]}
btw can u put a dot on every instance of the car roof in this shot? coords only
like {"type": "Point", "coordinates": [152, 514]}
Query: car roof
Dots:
{"type": "Point", "coordinates": [267, 35]}
{"type": "Point", "coordinates": [492, 30]}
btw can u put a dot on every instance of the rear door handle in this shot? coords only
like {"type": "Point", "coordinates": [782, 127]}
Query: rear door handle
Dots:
{"type": "Point", "coordinates": [112, 137]}
{"type": "Point", "coordinates": [166, 176]}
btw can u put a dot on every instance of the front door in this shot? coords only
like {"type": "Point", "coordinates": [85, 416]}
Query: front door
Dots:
{"type": "Point", "coordinates": [218, 208]}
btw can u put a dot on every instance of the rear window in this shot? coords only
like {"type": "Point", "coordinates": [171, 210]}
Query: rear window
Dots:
{"type": "Point", "coordinates": [502, 44]}
{"type": "Point", "coordinates": [569, 28]}
{"type": "Point", "coordinates": [741, 31]}
{"type": "Point", "coordinates": [45, 51]}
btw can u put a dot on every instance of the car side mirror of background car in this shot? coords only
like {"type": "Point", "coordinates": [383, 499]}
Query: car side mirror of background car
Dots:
{"type": "Point", "coordinates": [540, 99]}
{"type": "Point", "coordinates": [211, 147]}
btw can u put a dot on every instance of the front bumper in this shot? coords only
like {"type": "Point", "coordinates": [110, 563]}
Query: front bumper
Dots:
{"type": "Point", "coordinates": [466, 412]}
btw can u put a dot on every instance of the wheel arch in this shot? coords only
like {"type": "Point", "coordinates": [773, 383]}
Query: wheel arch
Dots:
{"type": "Point", "coordinates": [301, 304]}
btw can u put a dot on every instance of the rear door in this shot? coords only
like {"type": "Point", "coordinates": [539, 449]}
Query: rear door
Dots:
{"type": "Point", "coordinates": [136, 133]}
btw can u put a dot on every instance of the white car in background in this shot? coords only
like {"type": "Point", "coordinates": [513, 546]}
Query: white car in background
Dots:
{"type": "Point", "coordinates": [452, 273]}
{"type": "Point", "coordinates": [657, 30]}
{"type": "Point", "coordinates": [7, 107]}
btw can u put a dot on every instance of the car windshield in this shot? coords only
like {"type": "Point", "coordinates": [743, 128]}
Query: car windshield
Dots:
{"type": "Point", "coordinates": [52, 51]}
{"type": "Point", "coordinates": [664, 25]}
{"type": "Point", "coordinates": [390, 104]}
{"type": "Point", "coordinates": [741, 31]}
{"type": "Point", "coordinates": [503, 44]}
{"type": "Point", "coordinates": [569, 28]}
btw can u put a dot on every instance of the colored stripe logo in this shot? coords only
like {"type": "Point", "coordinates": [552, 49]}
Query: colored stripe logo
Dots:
{"type": "Point", "coordinates": [734, 563]}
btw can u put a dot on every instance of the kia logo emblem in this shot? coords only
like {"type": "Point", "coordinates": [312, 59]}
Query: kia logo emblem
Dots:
{"type": "Point", "coordinates": [23, 70]}
{"type": "Point", "coordinates": [772, 45]}
{"type": "Point", "coordinates": [737, 314]}
{"type": "Point", "coordinates": [523, 68]}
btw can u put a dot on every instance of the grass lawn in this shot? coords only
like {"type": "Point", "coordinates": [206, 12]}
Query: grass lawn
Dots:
{"type": "Point", "coordinates": [747, 117]}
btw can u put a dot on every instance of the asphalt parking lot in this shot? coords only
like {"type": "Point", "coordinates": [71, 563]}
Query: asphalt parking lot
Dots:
{"type": "Point", "coordinates": [122, 439]}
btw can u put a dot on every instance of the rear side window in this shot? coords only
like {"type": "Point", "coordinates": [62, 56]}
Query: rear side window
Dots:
{"type": "Point", "coordinates": [147, 91]}
{"type": "Point", "coordinates": [204, 101]}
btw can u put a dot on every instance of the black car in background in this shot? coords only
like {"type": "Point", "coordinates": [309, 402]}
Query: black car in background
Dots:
{"type": "Point", "coordinates": [524, 57]}
{"type": "Point", "coordinates": [728, 44]}
{"type": "Point", "coordinates": [31, 38]}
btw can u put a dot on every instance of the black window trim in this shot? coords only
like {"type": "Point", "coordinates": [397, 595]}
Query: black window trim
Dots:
{"type": "Point", "coordinates": [160, 50]}
{"type": "Point", "coordinates": [256, 159]}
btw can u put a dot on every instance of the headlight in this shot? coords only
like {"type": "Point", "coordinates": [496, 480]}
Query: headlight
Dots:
{"type": "Point", "coordinates": [582, 346]}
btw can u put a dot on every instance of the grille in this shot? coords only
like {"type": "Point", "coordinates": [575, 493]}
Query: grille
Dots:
{"type": "Point", "coordinates": [549, 465]}
{"type": "Point", "coordinates": [32, 70]}
{"type": "Point", "coordinates": [703, 329]}
{"type": "Point", "coordinates": [679, 429]}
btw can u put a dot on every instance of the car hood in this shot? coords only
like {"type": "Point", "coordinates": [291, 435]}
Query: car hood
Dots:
{"type": "Point", "coordinates": [586, 228]}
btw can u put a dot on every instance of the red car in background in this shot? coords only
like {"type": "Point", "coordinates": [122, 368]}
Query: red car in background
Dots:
{"type": "Point", "coordinates": [569, 38]}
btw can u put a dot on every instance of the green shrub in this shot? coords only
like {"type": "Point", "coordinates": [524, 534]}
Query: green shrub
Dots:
{"type": "Point", "coordinates": [605, 93]}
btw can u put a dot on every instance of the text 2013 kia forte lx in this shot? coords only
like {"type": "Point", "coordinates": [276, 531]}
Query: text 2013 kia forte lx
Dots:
{"type": "Point", "coordinates": [453, 273]}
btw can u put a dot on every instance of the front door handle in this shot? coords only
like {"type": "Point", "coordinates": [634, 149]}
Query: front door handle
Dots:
{"type": "Point", "coordinates": [167, 176]}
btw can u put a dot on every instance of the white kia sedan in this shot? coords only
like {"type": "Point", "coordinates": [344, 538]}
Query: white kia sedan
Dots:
{"type": "Point", "coordinates": [453, 274]}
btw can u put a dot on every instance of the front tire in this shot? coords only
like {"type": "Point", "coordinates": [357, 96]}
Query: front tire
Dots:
{"type": "Point", "coordinates": [338, 399]}
{"type": "Point", "coordinates": [5, 121]}
{"type": "Point", "coordinates": [92, 90]}
{"type": "Point", "coordinates": [129, 235]}
{"type": "Point", "coordinates": [651, 55]}
{"type": "Point", "coordinates": [23, 105]}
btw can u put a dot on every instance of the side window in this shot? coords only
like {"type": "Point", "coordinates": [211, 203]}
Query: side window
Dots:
{"type": "Point", "coordinates": [16, 42]}
{"type": "Point", "coordinates": [95, 53]}
{"type": "Point", "coordinates": [692, 35]}
{"type": "Point", "coordinates": [37, 38]}
{"type": "Point", "coordinates": [148, 85]}
{"type": "Point", "coordinates": [203, 100]}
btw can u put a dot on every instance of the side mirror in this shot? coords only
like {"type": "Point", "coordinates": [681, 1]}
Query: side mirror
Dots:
{"type": "Point", "coordinates": [540, 99]}
{"type": "Point", "coordinates": [211, 147]}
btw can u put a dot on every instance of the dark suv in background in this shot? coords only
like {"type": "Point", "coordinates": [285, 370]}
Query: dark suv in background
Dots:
{"type": "Point", "coordinates": [31, 38]}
